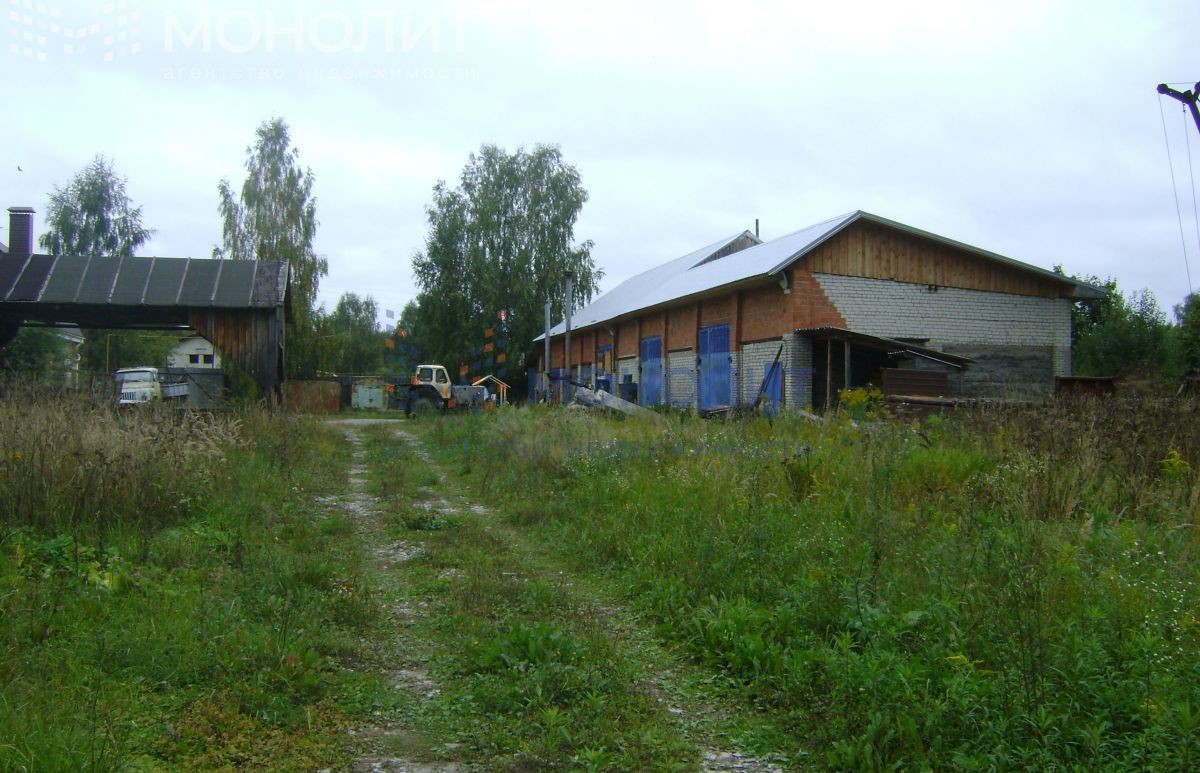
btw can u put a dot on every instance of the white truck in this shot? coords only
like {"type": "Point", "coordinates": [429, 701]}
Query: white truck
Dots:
{"type": "Point", "coordinates": [145, 385]}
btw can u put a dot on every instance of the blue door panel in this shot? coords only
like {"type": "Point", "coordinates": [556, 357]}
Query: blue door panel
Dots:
{"type": "Point", "coordinates": [651, 387]}
{"type": "Point", "coordinates": [773, 394]}
{"type": "Point", "coordinates": [714, 366]}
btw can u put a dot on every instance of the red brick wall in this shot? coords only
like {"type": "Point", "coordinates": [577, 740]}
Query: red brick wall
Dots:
{"type": "Point", "coordinates": [810, 306]}
{"type": "Point", "coordinates": [715, 311]}
{"type": "Point", "coordinates": [654, 325]}
{"type": "Point", "coordinates": [583, 348]}
{"type": "Point", "coordinates": [627, 339]}
{"type": "Point", "coordinates": [682, 328]}
{"type": "Point", "coordinates": [753, 315]}
{"type": "Point", "coordinates": [764, 314]}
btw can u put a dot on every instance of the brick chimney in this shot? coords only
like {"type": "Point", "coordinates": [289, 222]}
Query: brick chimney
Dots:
{"type": "Point", "coordinates": [20, 230]}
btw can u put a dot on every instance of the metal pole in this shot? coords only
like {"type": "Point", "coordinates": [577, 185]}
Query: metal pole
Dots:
{"type": "Point", "coordinates": [567, 343]}
{"type": "Point", "coordinates": [1188, 98]}
{"type": "Point", "coordinates": [546, 361]}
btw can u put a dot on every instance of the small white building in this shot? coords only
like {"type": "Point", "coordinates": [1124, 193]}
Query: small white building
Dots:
{"type": "Point", "coordinates": [195, 351]}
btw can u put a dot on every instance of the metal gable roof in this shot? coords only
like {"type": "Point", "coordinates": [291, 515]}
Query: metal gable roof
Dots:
{"type": "Point", "coordinates": [698, 272]}
{"type": "Point", "coordinates": [635, 293]}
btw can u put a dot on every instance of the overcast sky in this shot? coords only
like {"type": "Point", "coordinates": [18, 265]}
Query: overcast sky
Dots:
{"type": "Point", "coordinates": [1031, 129]}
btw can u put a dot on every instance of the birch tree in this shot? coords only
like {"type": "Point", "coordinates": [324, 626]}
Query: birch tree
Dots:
{"type": "Point", "coordinates": [503, 240]}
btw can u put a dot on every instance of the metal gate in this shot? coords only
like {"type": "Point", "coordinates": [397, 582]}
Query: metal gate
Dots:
{"type": "Point", "coordinates": [714, 367]}
{"type": "Point", "coordinates": [651, 370]}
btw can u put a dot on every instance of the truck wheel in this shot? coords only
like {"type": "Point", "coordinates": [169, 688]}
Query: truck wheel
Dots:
{"type": "Point", "coordinates": [423, 406]}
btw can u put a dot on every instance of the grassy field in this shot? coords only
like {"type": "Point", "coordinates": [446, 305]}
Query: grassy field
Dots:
{"type": "Point", "coordinates": [551, 589]}
{"type": "Point", "coordinates": [998, 590]}
{"type": "Point", "coordinates": [169, 597]}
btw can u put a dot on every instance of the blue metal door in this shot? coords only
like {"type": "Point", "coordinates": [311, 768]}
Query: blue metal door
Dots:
{"type": "Point", "coordinates": [714, 367]}
{"type": "Point", "coordinates": [650, 390]}
{"type": "Point", "coordinates": [773, 393]}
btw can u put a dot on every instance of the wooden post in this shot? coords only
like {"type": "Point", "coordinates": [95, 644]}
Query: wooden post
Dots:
{"type": "Point", "coordinates": [828, 374]}
{"type": "Point", "coordinates": [846, 364]}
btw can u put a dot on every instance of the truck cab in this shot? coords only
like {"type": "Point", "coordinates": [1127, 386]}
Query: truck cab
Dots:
{"type": "Point", "coordinates": [138, 385]}
{"type": "Point", "coordinates": [435, 378]}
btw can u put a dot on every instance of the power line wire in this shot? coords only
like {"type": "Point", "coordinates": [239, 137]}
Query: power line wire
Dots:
{"type": "Point", "coordinates": [1175, 190]}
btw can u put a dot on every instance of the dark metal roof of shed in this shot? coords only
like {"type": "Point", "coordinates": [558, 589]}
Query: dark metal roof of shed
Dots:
{"type": "Point", "coordinates": [147, 282]}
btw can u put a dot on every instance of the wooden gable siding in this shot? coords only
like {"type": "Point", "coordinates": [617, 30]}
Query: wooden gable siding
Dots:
{"type": "Point", "coordinates": [877, 252]}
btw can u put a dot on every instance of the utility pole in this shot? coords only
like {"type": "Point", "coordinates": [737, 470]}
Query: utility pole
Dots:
{"type": "Point", "coordinates": [547, 384]}
{"type": "Point", "coordinates": [1186, 97]}
{"type": "Point", "coordinates": [567, 391]}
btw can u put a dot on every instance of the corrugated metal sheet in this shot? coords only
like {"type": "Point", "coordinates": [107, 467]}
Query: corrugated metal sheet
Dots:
{"type": "Point", "coordinates": [240, 306]}
{"type": "Point", "coordinates": [31, 281]}
{"type": "Point", "coordinates": [701, 272]}
{"type": "Point", "coordinates": [889, 345]}
{"type": "Point", "coordinates": [163, 282]}
{"type": "Point", "coordinates": [630, 295]}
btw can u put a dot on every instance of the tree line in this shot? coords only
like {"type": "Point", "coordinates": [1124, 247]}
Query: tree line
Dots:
{"type": "Point", "coordinates": [1130, 335]}
{"type": "Point", "coordinates": [499, 244]}
{"type": "Point", "coordinates": [272, 216]}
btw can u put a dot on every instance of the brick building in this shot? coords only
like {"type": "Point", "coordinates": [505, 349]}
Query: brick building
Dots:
{"type": "Point", "coordinates": [850, 301]}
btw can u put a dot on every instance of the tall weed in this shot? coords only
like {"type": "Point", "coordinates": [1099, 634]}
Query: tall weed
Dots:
{"type": "Point", "coordinates": [998, 589]}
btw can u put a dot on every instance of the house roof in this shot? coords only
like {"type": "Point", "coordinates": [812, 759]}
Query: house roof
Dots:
{"type": "Point", "coordinates": [643, 290]}
{"type": "Point", "coordinates": [147, 282]}
{"type": "Point", "coordinates": [705, 270]}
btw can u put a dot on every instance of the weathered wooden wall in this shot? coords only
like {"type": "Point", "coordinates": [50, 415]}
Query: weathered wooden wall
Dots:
{"type": "Point", "coordinates": [875, 252]}
{"type": "Point", "coordinates": [251, 339]}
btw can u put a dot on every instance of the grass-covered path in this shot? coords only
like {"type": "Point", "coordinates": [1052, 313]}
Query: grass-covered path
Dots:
{"type": "Point", "coordinates": [501, 658]}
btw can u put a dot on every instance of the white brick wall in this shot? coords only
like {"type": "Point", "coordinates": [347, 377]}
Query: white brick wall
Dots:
{"type": "Point", "coordinates": [681, 378]}
{"type": "Point", "coordinates": [755, 359]}
{"type": "Point", "coordinates": [798, 372]}
{"type": "Point", "coordinates": [952, 318]}
{"type": "Point", "coordinates": [627, 366]}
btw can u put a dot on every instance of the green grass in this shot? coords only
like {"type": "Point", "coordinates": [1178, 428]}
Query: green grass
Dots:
{"type": "Point", "coordinates": [186, 609]}
{"type": "Point", "coordinates": [995, 590]}
{"type": "Point", "coordinates": [527, 677]}
{"type": "Point", "coordinates": [1005, 589]}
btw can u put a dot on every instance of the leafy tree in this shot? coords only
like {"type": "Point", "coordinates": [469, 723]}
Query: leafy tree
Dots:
{"type": "Point", "coordinates": [1187, 315]}
{"type": "Point", "coordinates": [1120, 335]}
{"type": "Point", "coordinates": [104, 351]}
{"type": "Point", "coordinates": [93, 216]}
{"type": "Point", "coordinates": [353, 325]}
{"type": "Point", "coordinates": [502, 241]}
{"type": "Point", "coordinates": [37, 351]}
{"type": "Point", "coordinates": [274, 217]}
